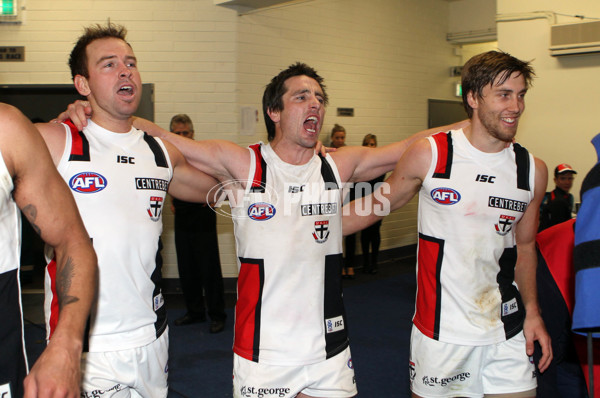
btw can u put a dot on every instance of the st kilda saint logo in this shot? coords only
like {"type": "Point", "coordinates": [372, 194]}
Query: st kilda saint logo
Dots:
{"type": "Point", "coordinates": [155, 209]}
{"type": "Point", "coordinates": [504, 225]}
{"type": "Point", "coordinates": [321, 232]}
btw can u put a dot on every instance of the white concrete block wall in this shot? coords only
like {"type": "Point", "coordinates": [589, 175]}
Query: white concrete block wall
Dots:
{"type": "Point", "coordinates": [384, 58]}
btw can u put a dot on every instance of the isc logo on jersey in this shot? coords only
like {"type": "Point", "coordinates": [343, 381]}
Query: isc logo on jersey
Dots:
{"type": "Point", "coordinates": [87, 182]}
{"type": "Point", "coordinates": [334, 324]}
{"type": "Point", "coordinates": [261, 211]}
{"type": "Point", "coordinates": [445, 196]}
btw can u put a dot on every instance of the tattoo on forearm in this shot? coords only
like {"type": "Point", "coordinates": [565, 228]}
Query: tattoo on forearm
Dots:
{"type": "Point", "coordinates": [30, 212]}
{"type": "Point", "coordinates": [63, 284]}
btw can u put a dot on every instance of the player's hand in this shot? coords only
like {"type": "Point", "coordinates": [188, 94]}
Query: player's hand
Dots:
{"type": "Point", "coordinates": [79, 112]}
{"type": "Point", "coordinates": [56, 374]}
{"type": "Point", "coordinates": [322, 149]}
{"type": "Point", "coordinates": [534, 330]}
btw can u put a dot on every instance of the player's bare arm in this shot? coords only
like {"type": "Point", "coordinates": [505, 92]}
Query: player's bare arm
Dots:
{"type": "Point", "coordinates": [397, 190]}
{"type": "Point", "coordinates": [358, 163]}
{"type": "Point", "coordinates": [54, 134]}
{"type": "Point", "coordinates": [189, 183]}
{"type": "Point", "coordinates": [525, 270]}
{"type": "Point", "coordinates": [49, 206]}
{"type": "Point", "coordinates": [220, 159]}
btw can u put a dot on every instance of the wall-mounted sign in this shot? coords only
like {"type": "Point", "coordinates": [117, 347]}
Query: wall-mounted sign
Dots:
{"type": "Point", "coordinates": [345, 111]}
{"type": "Point", "coordinates": [12, 54]}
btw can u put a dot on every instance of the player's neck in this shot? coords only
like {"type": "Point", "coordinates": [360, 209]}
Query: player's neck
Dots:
{"type": "Point", "coordinates": [482, 140]}
{"type": "Point", "coordinates": [112, 124]}
{"type": "Point", "coordinates": [291, 152]}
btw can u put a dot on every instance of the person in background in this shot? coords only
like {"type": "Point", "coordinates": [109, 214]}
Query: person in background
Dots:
{"type": "Point", "coordinates": [197, 249]}
{"type": "Point", "coordinates": [557, 205]}
{"type": "Point", "coordinates": [338, 136]}
{"type": "Point", "coordinates": [586, 262]}
{"type": "Point", "coordinates": [370, 237]}
{"type": "Point", "coordinates": [338, 140]}
{"type": "Point", "coordinates": [31, 184]}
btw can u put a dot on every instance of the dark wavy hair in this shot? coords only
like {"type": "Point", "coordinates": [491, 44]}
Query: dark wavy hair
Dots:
{"type": "Point", "coordinates": [483, 69]}
{"type": "Point", "coordinates": [274, 91]}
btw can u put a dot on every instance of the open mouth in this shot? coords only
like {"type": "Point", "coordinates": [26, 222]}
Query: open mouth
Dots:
{"type": "Point", "coordinates": [311, 123]}
{"type": "Point", "coordinates": [126, 90]}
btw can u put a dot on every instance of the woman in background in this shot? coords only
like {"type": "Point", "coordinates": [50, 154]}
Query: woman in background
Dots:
{"type": "Point", "coordinates": [370, 236]}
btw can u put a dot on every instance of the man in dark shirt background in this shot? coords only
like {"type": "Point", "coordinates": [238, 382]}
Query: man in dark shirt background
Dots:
{"type": "Point", "coordinates": [197, 248]}
{"type": "Point", "coordinates": [557, 205]}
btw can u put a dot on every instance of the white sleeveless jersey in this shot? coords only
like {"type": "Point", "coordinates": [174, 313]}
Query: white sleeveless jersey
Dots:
{"type": "Point", "coordinates": [13, 361]}
{"type": "Point", "coordinates": [289, 243]}
{"type": "Point", "coordinates": [469, 205]}
{"type": "Point", "coordinates": [119, 182]}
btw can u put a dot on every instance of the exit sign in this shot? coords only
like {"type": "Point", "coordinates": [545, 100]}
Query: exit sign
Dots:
{"type": "Point", "coordinates": [457, 89]}
{"type": "Point", "coordinates": [9, 8]}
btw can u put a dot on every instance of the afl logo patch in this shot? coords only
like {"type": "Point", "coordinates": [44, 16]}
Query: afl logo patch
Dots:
{"type": "Point", "coordinates": [261, 211]}
{"type": "Point", "coordinates": [445, 196]}
{"type": "Point", "coordinates": [87, 182]}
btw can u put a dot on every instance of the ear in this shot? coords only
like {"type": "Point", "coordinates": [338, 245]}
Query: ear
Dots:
{"type": "Point", "coordinates": [472, 100]}
{"type": "Point", "coordinates": [82, 85]}
{"type": "Point", "coordinates": [274, 115]}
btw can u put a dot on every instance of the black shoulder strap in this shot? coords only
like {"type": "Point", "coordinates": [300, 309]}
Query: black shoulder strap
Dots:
{"type": "Point", "coordinates": [328, 175]}
{"type": "Point", "coordinates": [523, 167]}
{"type": "Point", "coordinates": [159, 155]}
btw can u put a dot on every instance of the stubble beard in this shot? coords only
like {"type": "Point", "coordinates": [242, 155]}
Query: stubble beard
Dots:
{"type": "Point", "coordinates": [495, 129]}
